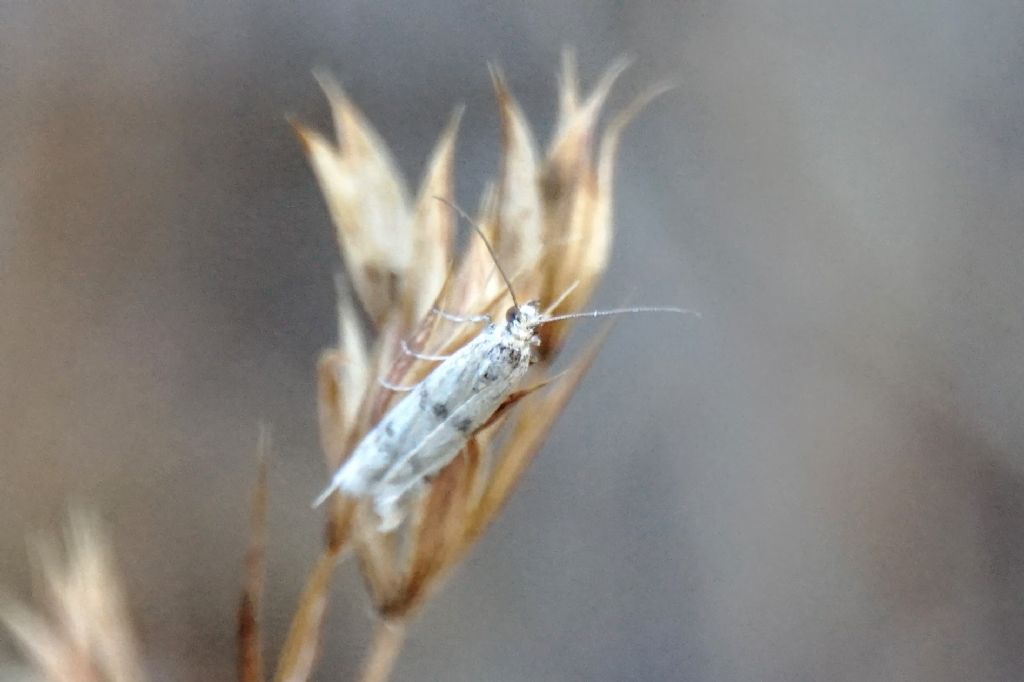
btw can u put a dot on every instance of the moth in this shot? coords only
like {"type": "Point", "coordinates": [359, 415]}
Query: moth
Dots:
{"type": "Point", "coordinates": [427, 428]}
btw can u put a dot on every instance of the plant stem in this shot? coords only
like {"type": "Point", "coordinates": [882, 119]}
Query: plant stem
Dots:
{"type": "Point", "coordinates": [388, 638]}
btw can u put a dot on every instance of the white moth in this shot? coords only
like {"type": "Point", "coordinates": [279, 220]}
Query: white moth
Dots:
{"type": "Point", "coordinates": [428, 428]}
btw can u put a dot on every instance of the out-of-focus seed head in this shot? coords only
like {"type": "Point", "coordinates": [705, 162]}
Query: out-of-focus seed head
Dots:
{"type": "Point", "coordinates": [86, 635]}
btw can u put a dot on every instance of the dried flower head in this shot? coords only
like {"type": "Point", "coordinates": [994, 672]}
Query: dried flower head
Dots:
{"type": "Point", "coordinates": [86, 636]}
{"type": "Point", "coordinates": [549, 219]}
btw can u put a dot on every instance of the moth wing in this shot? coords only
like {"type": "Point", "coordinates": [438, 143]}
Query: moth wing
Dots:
{"type": "Point", "coordinates": [443, 442]}
{"type": "Point", "coordinates": [489, 382]}
{"type": "Point", "coordinates": [411, 421]}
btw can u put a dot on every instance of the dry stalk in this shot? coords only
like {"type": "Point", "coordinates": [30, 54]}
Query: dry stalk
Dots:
{"type": "Point", "coordinates": [250, 645]}
{"type": "Point", "coordinates": [383, 653]}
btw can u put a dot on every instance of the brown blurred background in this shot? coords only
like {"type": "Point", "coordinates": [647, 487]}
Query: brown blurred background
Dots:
{"type": "Point", "coordinates": [822, 480]}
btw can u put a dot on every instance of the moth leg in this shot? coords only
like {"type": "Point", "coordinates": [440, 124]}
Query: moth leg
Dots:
{"type": "Point", "coordinates": [459, 318]}
{"type": "Point", "coordinates": [421, 356]}
{"type": "Point", "coordinates": [395, 387]}
{"type": "Point", "coordinates": [392, 506]}
{"type": "Point", "coordinates": [389, 514]}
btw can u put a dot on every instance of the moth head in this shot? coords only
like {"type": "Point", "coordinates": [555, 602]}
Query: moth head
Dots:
{"type": "Point", "coordinates": [522, 320]}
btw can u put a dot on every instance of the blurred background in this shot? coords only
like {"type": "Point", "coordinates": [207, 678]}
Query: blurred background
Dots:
{"type": "Point", "coordinates": [822, 480]}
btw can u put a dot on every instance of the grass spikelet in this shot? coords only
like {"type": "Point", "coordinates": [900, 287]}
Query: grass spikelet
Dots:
{"type": "Point", "coordinates": [368, 202]}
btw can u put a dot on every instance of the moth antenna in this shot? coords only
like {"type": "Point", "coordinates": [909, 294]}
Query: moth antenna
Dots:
{"type": "Point", "coordinates": [490, 249]}
{"type": "Point", "coordinates": [564, 295]}
{"type": "Point", "coordinates": [620, 311]}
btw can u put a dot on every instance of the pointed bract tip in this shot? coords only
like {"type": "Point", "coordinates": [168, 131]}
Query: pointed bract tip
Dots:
{"type": "Point", "coordinates": [328, 83]}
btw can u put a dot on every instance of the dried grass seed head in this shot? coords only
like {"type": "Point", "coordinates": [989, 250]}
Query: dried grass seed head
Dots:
{"type": "Point", "coordinates": [549, 219]}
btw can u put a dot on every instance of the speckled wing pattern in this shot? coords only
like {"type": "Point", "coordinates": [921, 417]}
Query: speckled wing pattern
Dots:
{"type": "Point", "coordinates": [428, 427]}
